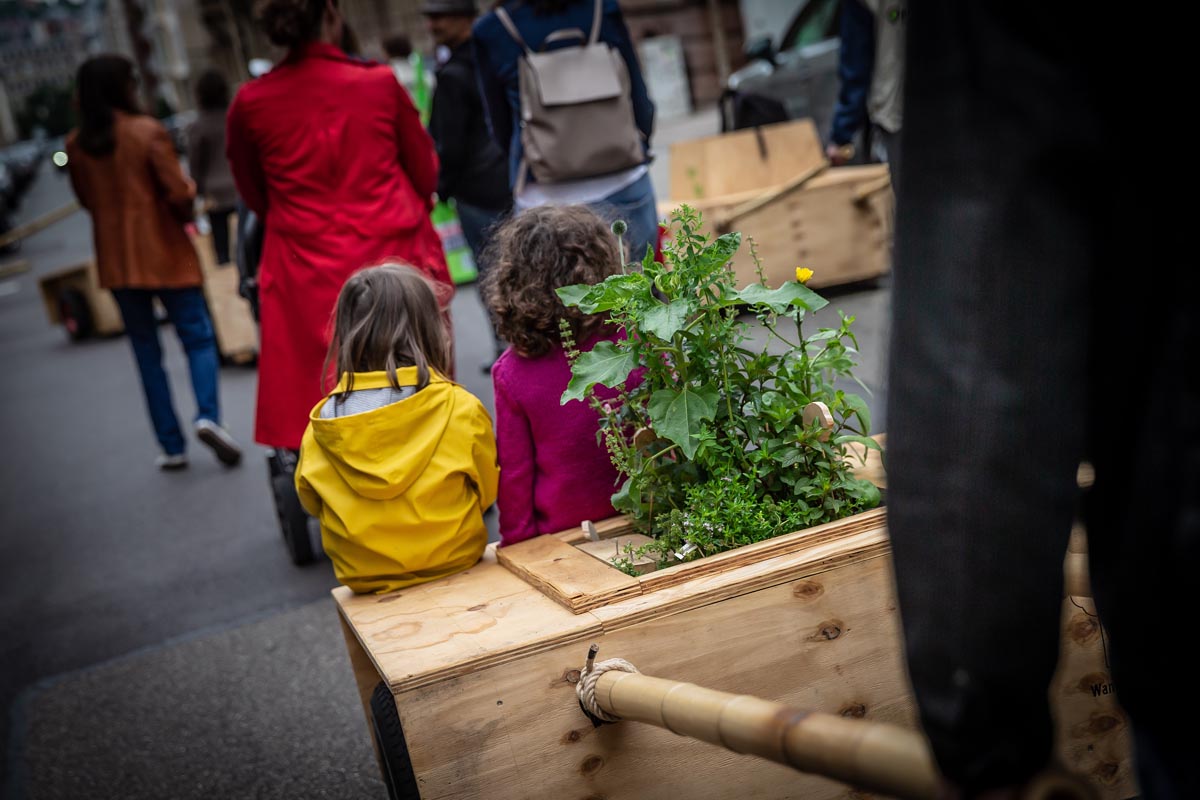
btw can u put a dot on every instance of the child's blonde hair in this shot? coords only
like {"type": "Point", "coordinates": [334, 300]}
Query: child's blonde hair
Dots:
{"type": "Point", "coordinates": [387, 317]}
{"type": "Point", "coordinates": [531, 255]}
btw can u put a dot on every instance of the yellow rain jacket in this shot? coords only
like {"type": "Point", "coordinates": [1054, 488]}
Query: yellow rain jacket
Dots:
{"type": "Point", "coordinates": [400, 490]}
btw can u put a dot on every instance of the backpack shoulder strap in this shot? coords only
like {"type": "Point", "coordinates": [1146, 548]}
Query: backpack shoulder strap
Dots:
{"type": "Point", "coordinates": [507, 22]}
{"type": "Point", "coordinates": [568, 33]}
{"type": "Point", "coordinates": [595, 37]}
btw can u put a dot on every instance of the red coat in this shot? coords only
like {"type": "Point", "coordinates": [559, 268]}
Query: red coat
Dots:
{"type": "Point", "coordinates": [331, 153]}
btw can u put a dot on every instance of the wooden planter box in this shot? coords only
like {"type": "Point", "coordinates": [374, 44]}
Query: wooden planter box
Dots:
{"type": "Point", "coordinates": [482, 665]}
{"type": "Point", "coordinates": [773, 185]}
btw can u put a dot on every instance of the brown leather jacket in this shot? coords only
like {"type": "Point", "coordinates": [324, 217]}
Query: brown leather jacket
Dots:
{"type": "Point", "coordinates": [140, 199]}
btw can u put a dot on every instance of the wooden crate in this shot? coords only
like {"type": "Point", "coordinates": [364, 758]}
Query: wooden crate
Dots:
{"type": "Point", "coordinates": [106, 317]}
{"type": "Point", "coordinates": [774, 185]}
{"type": "Point", "coordinates": [482, 665]}
{"type": "Point", "coordinates": [232, 319]}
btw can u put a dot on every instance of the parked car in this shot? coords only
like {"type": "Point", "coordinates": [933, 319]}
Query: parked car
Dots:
{"type": "Point", "coordinates": [22, 160]}
{"type": "Point", "coordinates": [8, 187]}
{"type": "Point", "coordinates": [791, 76]}
{"type": "Point", "coordinates": [7, 190]}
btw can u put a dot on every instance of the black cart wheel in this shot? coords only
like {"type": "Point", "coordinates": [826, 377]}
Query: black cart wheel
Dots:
{"type": "Point", "coordinates": [75, 313]}
{"type": "Point", "coordinates": [391, 748]}
{"type": "Point", "coordinates": [301, 533]}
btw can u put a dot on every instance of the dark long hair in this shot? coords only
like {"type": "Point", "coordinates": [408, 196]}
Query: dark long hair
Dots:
{"type": "Point", "coordinates": [289, 23]}
{"type": "Point", "coordinates": [104, 84]}
{"type": "Point", "coordinates": [387, 317]}
{"type": "Point", "coordinates": [212, 92]}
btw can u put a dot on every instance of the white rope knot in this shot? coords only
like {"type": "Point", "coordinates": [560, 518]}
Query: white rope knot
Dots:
{"type": "Point", "coordinates": [590, 675]}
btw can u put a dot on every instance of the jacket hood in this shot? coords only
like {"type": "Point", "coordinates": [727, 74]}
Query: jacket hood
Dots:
{"type": "Point", "coordinates": [379, 453]}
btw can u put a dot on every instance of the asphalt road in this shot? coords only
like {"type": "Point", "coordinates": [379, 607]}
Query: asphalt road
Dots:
{"type": "Point", "coordinates": [157, 642]}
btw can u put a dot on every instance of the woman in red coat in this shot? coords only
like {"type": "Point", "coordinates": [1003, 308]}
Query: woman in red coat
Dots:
{"type": "Point", "coordinates": [330, 152]}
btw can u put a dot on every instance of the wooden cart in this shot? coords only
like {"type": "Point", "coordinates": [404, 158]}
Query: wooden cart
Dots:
{"type": "Point", "coordinates": [74, 299]}
{"type": "Point", "coordinates": [468, 682]}
{"type": "Point", "coordinates": [775, 186]}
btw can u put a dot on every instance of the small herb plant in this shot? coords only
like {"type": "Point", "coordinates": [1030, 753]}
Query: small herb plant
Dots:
{"type": "Point", "coordinates": [711, 434]}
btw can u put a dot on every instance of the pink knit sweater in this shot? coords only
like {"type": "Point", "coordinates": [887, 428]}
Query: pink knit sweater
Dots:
{"type": "Point", "coordinates": [553, 474]}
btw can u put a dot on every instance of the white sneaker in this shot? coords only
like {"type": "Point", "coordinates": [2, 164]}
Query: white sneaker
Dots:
{"type": "Point", "coordinates": [171, 461]}
{"type": "Point", "coordinates": [220, 441]}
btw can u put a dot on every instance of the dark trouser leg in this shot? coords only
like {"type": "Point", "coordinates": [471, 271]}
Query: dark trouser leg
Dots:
{"type": "Point", "coordinates": [1014, 357]}
{"type": "Point", "coordinates": [218, 218]}
{"type": "Point", "coordinates": [891, 147]}
{"type": "Point", "coordinates": [477, 224]}
{"type": "Point", "coordinates": [137, 312]}
{"type": "Point", "coordinates": [995, 262]}
{"type": "Point", "coordinates": [189, 315]}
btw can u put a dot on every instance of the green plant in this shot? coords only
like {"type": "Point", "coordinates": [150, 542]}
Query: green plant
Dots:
{"type": "Point", "coordinates": [710, 435]}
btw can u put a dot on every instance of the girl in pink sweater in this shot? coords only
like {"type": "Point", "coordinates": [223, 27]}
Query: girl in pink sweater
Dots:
{"type": "Point", "coordinates": [553, 473]}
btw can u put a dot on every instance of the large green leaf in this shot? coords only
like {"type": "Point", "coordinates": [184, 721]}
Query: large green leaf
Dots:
{"type": "Point", "coordinates": [865, 441]}
{"type": "Point", "coordinates": [573, 295]}
{"type": "Point", "coordinates": [678, 415]}
{"type": "Point", "coordinates": [859, 408]}
{"type": "Point", "coordinates": [791, 294]}
{"type": "Point", "coordinates": [604, 364]}
{"type": "Point", "coordinates": [718, 253]}
{"type": "Point", "coordinates": [665, 320]}
{"type": "Point", "coordinates": [627, 499]}
{"type": "Point", "coordinates": [607, 295]}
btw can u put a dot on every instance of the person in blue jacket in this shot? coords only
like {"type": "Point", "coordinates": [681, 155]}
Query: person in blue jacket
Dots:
{"type": "Point", "coordinates": [871, 77]}
{"type": "Point", "coordinates": [626, 195]}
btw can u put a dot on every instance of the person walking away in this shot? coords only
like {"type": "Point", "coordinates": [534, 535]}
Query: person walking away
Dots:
{"type": "Point", "coordinates": [398, 463]}
{"type": "Point", "coordinates": [206, 159]}
{"type": "Point", "coordinates": [871, 75]}
{"type": "Point", "coordinates": [473, 170]}
{"type": "Point", "coordinates": [554, 473]}
{"type": "Point", "coordinates": [125, 172]}
{"type": "Point", "coordinates": [1020, 350]}
{"type": "Point", "coordinates": [537, 25]}
{"type": "Point", "coordinates": [409, 68]}
{"type": "Point", "coordinates": [329, 153]}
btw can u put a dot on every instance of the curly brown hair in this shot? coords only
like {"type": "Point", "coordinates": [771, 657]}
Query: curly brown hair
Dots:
{"type": "Point", "coordinates": [535, 252]}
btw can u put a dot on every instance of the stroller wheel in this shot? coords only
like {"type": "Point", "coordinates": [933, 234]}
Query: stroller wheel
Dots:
{"type": "Point", "coordinates": [301, 533]}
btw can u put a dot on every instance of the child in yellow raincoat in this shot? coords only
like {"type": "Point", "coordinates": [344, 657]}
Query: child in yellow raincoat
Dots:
{"type": "Point", "coordinates": [398, 463]}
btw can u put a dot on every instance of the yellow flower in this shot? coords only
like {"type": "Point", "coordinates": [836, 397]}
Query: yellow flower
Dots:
{"type": "Point", "coordinates": [803, 274]}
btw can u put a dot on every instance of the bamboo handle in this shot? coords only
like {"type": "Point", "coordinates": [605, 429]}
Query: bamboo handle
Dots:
{"type": "Point", "coordinates": [874, 756]}
{"type": "Point", "coordinates": [1076, 578]}
{"type": "Point", "coordinates": [725, 222]}
{"type": "Point", "coordinates": [44, 221]}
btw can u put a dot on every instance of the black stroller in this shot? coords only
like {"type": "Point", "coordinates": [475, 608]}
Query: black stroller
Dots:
{"type": "Point", "coordinates": [301, 532]}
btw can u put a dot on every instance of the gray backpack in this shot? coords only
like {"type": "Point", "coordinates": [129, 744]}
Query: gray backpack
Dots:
{"type": "Point", "coordinates": [576, 107]}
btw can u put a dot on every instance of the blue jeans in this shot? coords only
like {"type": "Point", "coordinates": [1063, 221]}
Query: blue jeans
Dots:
{"type": "Point", "coordinates": [477, 223]}
{"type": "Point", "coordinates": [189, 315]}
{"type": "Point", "coordinates": [636, 205]}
